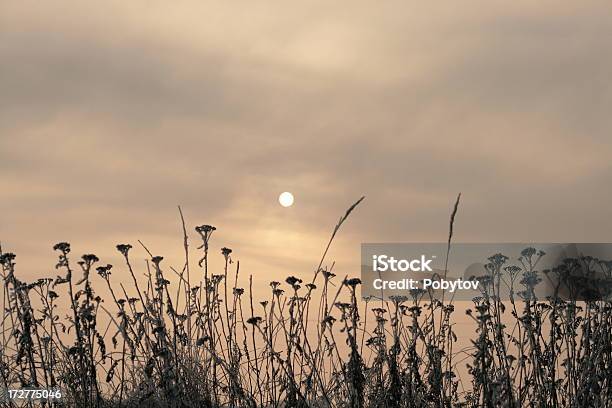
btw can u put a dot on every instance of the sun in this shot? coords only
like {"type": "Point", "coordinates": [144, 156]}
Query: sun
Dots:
{"type": "Point", "coordinates": [286, 199]}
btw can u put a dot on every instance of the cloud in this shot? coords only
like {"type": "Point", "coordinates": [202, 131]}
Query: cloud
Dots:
{"type": "Point", "coordinates": [113, 113]}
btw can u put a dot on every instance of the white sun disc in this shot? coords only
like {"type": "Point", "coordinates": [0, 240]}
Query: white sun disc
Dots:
{"type": "Point", "coordinates": [286, 199]}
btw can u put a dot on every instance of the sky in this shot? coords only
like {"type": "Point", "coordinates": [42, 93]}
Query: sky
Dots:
{"type": "Point", "coordinates": [113, 113]}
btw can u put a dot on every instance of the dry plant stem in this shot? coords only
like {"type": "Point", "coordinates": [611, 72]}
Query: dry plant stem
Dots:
{"type": "Point", "coordinates": [195, 346]}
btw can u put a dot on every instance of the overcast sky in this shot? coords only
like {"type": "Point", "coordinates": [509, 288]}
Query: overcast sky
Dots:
{"type": "Point", "coordinates": [114, 112]}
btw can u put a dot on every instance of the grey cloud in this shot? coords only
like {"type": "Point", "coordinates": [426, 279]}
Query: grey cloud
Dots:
{"type": "Point", "coordinates": [116, 125]}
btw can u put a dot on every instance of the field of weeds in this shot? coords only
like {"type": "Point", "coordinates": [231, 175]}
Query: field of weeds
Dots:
{"type": "Point", "coordinates": [194, 337]}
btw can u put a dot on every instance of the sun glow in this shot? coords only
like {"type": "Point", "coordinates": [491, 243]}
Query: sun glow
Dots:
{"type": "Point", "coordinates": [286, 199]}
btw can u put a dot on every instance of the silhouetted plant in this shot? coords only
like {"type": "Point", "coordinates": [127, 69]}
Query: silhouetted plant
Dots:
{"type": "Point", "coordinates": [170, 343]}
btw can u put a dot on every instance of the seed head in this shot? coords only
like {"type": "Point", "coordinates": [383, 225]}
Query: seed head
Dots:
{"type": "Point", "coordinates": [205, 228]}
{"type": "Point", "coordinates": [62, 247]}
{"type": "Point", "coordinates": [124, 249]}
{"type": "Point", "coordinates": [104, 271]}
{"type": "Point", "coordinates": [254, 320]}
{"type": "Point", "coordinates": [7, 258]}
{"type": "Point", "coordinates": [90, 259]}
{"type": "Point", "coordinates": [292, 280]}
{"type": "Point", "coordinates": [352, 282]}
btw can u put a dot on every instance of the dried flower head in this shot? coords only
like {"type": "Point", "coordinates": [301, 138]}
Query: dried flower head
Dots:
{"type": "Point", "coordinates": [205, 228]}
{"type": "Point", "coordinates": [7, 258]}
{"type": "Point", "coordinates": [63, 247]}
{"type": "Point", "coordinates": [292, 280]}
{"type": "Point", "coordinates": [90, 259]}
{"type": "Point", "coordinates": [255, 320]}
{"type": "Point", "coordinates": [157, 259]}
{"type": "Point", "coordinates": [124, 249]}
{"type": "Point", "coordinates": [104, 271]}
{"type": "Point", "coordinates": [352, 282]}
{"type": "Point", "coordinates": [328, 275]}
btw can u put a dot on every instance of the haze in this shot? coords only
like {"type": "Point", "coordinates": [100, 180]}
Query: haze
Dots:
{"type": "Point", "coordinates": [113, 113]}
